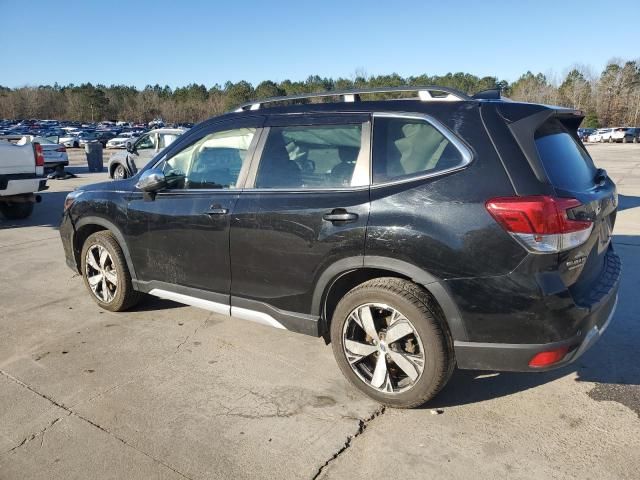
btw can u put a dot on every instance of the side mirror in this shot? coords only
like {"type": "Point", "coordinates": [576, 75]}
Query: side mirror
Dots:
{"type": "Point", "coordinates": [152, 180]}
{"type": "Point", "coordinates": [130, 147]}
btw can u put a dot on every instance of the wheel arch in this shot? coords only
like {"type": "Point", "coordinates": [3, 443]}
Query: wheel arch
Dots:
{"type": "Point", "coordinates": [346, 274]}
{"type": "Point", "coordinates": [87, 226]}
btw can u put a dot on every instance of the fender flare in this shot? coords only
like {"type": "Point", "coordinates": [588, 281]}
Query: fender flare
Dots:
{"type": "Point", "coordinates": [91, 220]}
{"type": "Point", "coordinates": [431, 283]}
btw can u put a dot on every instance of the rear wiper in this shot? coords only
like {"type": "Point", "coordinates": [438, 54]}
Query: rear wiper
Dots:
{"type": "Point", "coordinates": [601, 177]}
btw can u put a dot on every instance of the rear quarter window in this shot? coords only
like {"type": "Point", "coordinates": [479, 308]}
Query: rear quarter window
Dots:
{"type": "Point", "coordinates": [567, 164]}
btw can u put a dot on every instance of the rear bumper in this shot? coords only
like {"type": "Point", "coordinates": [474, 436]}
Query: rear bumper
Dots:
{"type": "Point", "coordinates": [562, 319]}
{"type": "Point", "coordinates": [516, 357]}
{"type": "Point", "coordinates": [21, 186]}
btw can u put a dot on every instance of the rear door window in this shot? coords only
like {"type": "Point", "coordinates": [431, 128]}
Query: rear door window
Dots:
{"type": "Point", "coordinates": [407, 147]}
{"type": "Point", "coordinates": [567, 164]}
{"type": "Point", "coordinates": [311, 156]}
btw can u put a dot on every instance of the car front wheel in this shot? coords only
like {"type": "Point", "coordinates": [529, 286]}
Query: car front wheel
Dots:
{"type": "Point", "coordinates": [391, 342]}
{"type": "Point", "coordinates": [106, 274]}
{"type": "Point", "coordinates": [119, 173]}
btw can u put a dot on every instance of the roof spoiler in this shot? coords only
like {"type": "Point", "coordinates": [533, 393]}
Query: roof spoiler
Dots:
{"type": "Point", "coordinates": [490, 94]}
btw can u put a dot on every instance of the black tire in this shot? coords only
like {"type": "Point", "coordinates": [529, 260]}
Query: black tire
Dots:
{"type": "Point", "coordinates": [125, 296]}
{"type": "Point", "coordinates": [76, 145]}
{"type": "Point", "coordinates": [424, 314]}
{"type": "Point", "coordinates": [119, 173]}
{"type": "Point", "coordinates": [17, 210]}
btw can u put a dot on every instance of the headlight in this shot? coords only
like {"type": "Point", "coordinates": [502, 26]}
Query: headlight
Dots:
{"type": "Point", "coordinates": [71, 198]}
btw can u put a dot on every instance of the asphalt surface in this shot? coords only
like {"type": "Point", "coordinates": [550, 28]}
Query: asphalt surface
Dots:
{"type": "Point", "coordinates": [169, 391]}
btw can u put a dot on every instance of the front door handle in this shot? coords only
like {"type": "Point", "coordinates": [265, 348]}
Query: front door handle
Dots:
{"type": "Point", "coordinates": [340, 215]}
{"type": "Point", "coordinates": [217, 210]}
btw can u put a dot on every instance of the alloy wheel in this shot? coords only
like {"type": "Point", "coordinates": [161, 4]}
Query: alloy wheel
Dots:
{"type": "Point", "coordinates": [101, 273]}
{"type": "Point", "coordinates": [383, 348]}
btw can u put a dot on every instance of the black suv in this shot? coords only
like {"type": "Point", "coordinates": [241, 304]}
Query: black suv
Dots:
{"type": "Point", "coordinates": [415, 235]}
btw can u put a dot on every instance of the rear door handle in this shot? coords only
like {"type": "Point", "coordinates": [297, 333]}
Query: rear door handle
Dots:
{"type": "Point", "coordinates": [340, 215]}
{"type": "Point", "coordinates": [217, 210]}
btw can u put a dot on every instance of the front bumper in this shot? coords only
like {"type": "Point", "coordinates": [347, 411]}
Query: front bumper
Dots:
{"type": "Point", "coordinates": [67, 232]}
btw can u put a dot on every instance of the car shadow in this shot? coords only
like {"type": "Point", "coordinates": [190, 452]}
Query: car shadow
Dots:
{"type": "Point", "coordinates": [151, 304]}
{"type": "Point", "coordinates": [47, 213]}
{"type": "Point", "coordinates": [626, 202]}
{"type": "Point", "coordinates": [611, 363]}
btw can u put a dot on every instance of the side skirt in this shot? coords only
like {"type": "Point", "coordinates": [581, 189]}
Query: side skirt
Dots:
{"type": "Point", "coordinates": [237, 307]}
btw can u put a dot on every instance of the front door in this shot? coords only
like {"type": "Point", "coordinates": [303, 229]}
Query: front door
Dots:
{"type": "Point", "coordinates": [305, 207]}
{"type": "Point", "coordinates": [180, 240]}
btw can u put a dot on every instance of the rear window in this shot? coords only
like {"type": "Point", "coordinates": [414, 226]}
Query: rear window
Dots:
{"type": "Point", "coordinates": [568, 165]}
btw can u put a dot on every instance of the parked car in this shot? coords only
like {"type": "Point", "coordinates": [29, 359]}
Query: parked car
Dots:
{"type": "Point", "coordinates": [597, 136]}
{"type": "Point", "coordinates": [86, 137]}
{"type": "Point", "coordinates": [583, 133]}
{"type": "Point", "coordinates": [70, 140]}
{"type": "Point", "coordinates": [121, 140]}
{"type": "Point", "coordinates": [622, 135]}
{"type": "Point", "coordinates": [414, 235]}
{"type": "Point", "coordinates": [104, 136]}
{"type": "Point", "coordinates": [55, 155]}
{"type": "Point", "coordinates": [21, 171]}
{"type": "Point", "coordinates": [140, 151]}
{"type": "Point", "coordinates": [635, 132]}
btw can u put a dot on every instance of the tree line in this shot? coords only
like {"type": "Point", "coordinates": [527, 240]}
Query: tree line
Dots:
{"type": "Point", "coordinates": [609, 98]}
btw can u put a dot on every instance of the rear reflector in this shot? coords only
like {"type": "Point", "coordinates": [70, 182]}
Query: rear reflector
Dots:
{"type": "Point", "coordinates": [544, 359]}
{"type": "Point", "coordinates": [540, 223]}
{"type": "Point", "coordinates": [39, 155]}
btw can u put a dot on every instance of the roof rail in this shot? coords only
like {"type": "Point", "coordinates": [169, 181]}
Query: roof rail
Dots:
{"type": "Point", "coordinates": [425, 94]}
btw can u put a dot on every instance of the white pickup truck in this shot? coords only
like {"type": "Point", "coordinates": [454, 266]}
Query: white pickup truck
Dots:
{"type": "Point", "coordinates": [21, 175]}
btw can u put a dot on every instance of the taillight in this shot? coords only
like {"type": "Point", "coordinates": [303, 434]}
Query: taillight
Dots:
{"type": "Point", "coordinates": [61, 149]}
{"type": "Point", "coordinates": [544, 359]}
{"type": "Point", "coordinates": [39, 155]}
{"type": "Point", "coordinates": [540, 223]}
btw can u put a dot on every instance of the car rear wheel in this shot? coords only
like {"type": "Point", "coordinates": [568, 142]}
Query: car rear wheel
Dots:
{"type": "Point", "coordinates": [16, 210]}
{"type": "Point", "coordinates": [391, 342]}
{"type": "Point", "coordinates": [106, 274]}
{"type": "Point", "coordinates": [119, 173]}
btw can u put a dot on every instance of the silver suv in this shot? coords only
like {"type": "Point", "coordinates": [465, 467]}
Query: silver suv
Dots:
{"type": "Point", "coordinates": [140, 150]}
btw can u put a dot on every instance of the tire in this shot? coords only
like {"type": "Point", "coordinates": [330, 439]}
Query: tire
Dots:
{"type": "Point", "coordinates": [17, 210]}
{"type": "Point", "coordinates": [430, 334]}
{"type": "Point", "coordinates": [76, 145]}
{"type": "Point", "coordinates": [119, 173]}
{"type": "Point", "coordinates": [122, 296]}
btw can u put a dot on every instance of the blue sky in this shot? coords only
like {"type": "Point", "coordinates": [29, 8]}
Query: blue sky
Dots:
{"type": "Point", "coordinates": [177, 43]}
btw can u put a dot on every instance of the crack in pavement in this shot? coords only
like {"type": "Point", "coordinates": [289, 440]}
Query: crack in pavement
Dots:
{"type": "Point", "coordinates": [33, 436]}
{"type": "Point", "coordinates": [192, 334]}
{"type": "Point", "coordinates": [362, 426]}
{"type": "Point", "coordinates": [81, 417]}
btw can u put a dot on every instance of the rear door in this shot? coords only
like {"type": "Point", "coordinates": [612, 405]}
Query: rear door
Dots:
{"type": "Point", "coordinates": [305, 208]}
{"type": "Point", "coordinates": [573, 174]}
